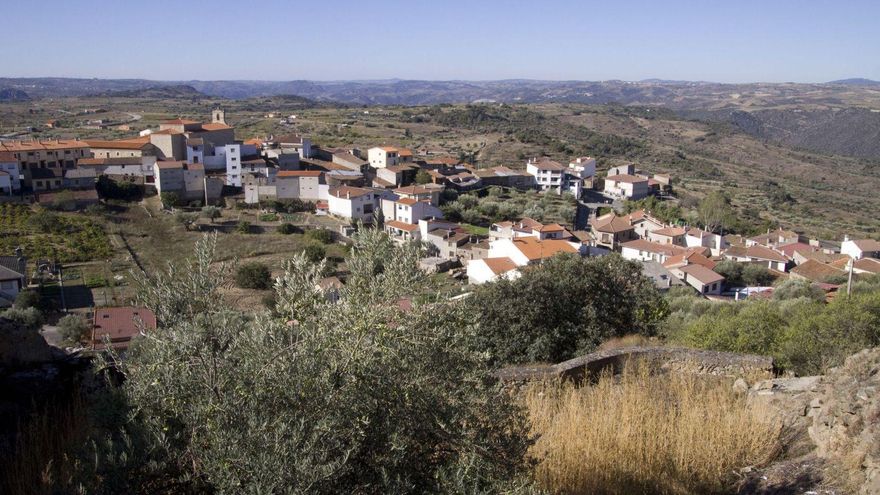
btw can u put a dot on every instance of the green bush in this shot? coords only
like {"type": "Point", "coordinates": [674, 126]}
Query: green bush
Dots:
{"type": "Point", "coordinates": [74, 329]}
{"type": "Point", "coordinates": [211, 213]}
{"type": "Point", "coordinates": [253, 276]}
{"type": "Point", "coordinates": [30, 318]}
{"type": "Point", "coordinates": [170, 199]}
{"type": "Point", "coordinates": [27, 298]}
{"type": "Point", "coordinates": [800, 331]}
{"type": "Point", "coordinates": [564, 307]}
{"type": "Point", "coordinates": [314, 252]}
{"type": "Point", "coordinates": [268, 217]}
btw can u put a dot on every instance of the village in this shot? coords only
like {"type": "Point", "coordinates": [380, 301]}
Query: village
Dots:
{"type": "Point", "coordinates": [194, 166]}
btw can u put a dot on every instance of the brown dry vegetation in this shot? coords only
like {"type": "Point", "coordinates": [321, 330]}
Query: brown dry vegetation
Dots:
{"type": "Point", "coordinates": [644, 433]}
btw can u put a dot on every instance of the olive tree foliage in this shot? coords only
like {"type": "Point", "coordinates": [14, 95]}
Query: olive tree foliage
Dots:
{"type": "Point", "coordinates": [564, 307]}
{"type": "Point", "coordinates": [317, 397]}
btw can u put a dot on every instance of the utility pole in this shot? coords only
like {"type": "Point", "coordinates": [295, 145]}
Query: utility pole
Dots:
{"type": "Point", "coordinates": [849, 266]}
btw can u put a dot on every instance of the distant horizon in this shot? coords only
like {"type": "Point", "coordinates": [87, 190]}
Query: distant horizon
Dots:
{"type": "Point", "coordinates": [403, 79]}
{"type": "Point", "coordinates": [746, 41]}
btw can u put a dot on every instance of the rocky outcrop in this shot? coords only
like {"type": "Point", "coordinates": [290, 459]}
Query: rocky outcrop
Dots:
{"type": "Point", "coordinates": [664, 358]}
{"type": "Point", "coordinates": [831, 428]}
{"type": "Point", "coordinates": [845, 422]}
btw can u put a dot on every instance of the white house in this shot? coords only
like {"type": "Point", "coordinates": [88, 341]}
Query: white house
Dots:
{"type": "Point", "coordinates": [409, 210]}
{"type": "Point", "coordinates": [701, 238]}
{"type": "Point", "coordinates": [757, 254]}
{"type": "Point", "coordinates": [299, 184]}
{"type": "Point", "coordinates": [402, 231]}
{"type": "Point", "coordinates": [187, 180]}
{"type": "Point", "coordinates": [701, 278]}
{"type": "Point", "coordinates": [583, 167]}
{"type": "Point", "coordinates": [668, 235]}
{"type": "Point", "coordinates": [490, 269]}
{"type": "Point", "coordinates": [388, 156]}
{"type": "Point", "coordinates": [627, 186]}
{"type": "Point", "coordinates": [548, 174]}
{"type": "Point", "coordinates": [526, 250]}
{"type": "Point", "coordinates": [644, 250]}
{"type": "Point", "coordinates": [9, 166]}
{"type": "Point", "coordinates": [642, 222]}
{"type": "Point", "coordinates": [353, 203]}
{"type": "Point", "coordinates": [858, 249]}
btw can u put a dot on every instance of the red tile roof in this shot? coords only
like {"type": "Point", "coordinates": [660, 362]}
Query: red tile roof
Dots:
{"type": "Point", "coordinates": [499, 265]}
{"type": "Point", "coordinates": [402, 225]}
{"type": "Point", "coordinates": [299, 173]}
{"type": "Point", "coordinates": [535, 249]}
{"type": "Point", "coordinates": [120, 325]}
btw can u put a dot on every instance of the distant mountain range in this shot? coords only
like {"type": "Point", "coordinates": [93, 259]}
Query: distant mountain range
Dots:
{"type": "Point", "coordinates": [857, 81]}
{"type": "Point", "coordinates": [841, 117]}
{"type": "Point", "coordinates": [414, 92]}
{"type": "Point", "coordinates": [174, 91]}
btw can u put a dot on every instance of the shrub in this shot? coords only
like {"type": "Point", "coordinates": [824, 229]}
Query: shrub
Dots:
{"type": "Point", "coordinates": [756, 275]}
{"type": "Point", "coordinates": [321, 235]}
{"type": "Point", "coordinates": [635, 434]}
{"type": "Point", "coordinates": [564, 307]}
{"type": "Point", "coordinates": [169, 199]}
{"type": "Point", "coordinates": [186, 219]}
{"type": "Point", "coordinates": [95, 281]}
{"type": "Point", "coordinates": [30, 318]}
{"type": "Point", "coordinates": [211, 213]}
{"type": "Point", "coordinates": [287, 229]}
{"type": "Point", "coordinates": [423, 177]}
{"type": "Point", "coordinates": [243, 227]}
{"type": "Point", "coordinates": [253, 276]}
{"type": "Point", "coordinates": [793, 288]}
{"type": "Point", "coordinates": [27, 299]}
{"type": "Point", "coordinates": [268, 217]}
{"type": "Point", "coordinates": [314, 252]}
{"type": "Point", "coordinates": [73, 329]}
{"type": "Point", "coordinates": [338, 398]}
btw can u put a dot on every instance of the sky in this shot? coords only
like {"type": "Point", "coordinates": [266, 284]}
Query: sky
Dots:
{"type": "Point", "coordinates": [709, 40]}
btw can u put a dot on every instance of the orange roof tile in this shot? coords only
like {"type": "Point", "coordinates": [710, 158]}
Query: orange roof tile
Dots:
{"type": "Point", "coordinates": [299, 173]}
{"type": "Point", "coordinates": [535, 249]}
{"type": "Point", "coordinates": [499, 265]}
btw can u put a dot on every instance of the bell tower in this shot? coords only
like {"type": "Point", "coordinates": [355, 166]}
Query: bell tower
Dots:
{"type": "Point", "coordinates": [218, 116]}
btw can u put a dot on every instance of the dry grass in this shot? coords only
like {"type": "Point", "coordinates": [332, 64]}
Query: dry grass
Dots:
{"type": "Point", "coordinates": [644, 433]}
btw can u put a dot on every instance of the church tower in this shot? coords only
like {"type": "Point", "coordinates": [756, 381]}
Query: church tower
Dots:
{"type": "Point", "coordinates": [218, 116]}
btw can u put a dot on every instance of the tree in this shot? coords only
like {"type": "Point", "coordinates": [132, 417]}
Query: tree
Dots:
{"type": "Point", "coordinates": [351, 397]}
{"type": "Point", "coordinates": [314, 252]}
{"type": "Point", "coordinates": [73, 329]}
{"type": "Point", "coordinates": [27, 299]}
{"type": "Point", "coordinates": [756, 275]}
{"type": "Point", "coordinates": [253, 276]}
{"type": "Point", "coordinates": [186, 219]}
{"type": "Point", "coordinates": [211, 213]}
{"type": "Point", "coordinates": [423, 177]}
{"type": "Point", "coordinates": [564, 307]}
{"type": "Point", "coordinates": [714, 211]}
{"type": "Point", "coordinates": [169, 199]}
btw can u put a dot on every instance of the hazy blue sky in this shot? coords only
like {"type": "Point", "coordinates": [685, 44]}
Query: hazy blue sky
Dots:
{"type": "Point", "coordinates": [729, 41]}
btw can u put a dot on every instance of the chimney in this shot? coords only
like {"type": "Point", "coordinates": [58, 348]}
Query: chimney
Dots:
{"type": "Point", "coordinates": [845, 237]}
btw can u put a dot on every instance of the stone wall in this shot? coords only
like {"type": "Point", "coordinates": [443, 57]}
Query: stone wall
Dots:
{"type": "Point", "coordinates": [664, 358]}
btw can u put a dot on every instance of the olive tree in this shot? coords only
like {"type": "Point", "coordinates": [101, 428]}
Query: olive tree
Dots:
{"type": "Point", "coordinates": [318, 397]}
